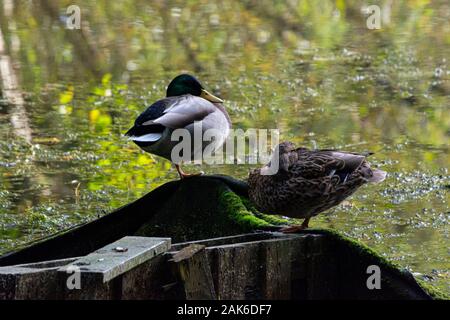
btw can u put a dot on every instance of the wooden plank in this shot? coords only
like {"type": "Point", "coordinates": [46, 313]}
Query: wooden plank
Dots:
{"type": "Point", "coordinates": [258, 269]}
{"type": "Point", "coordinates": [146, 281]}
{"type": "Point", "coordinates": [322, 269]}
{"type": "Point", "coordinates": [34, 281]}
{"type": "Point", "coordinates": [238, 271]}
{"type": "Point", "coordinates": [277, 258]}
{"type": "Point", "coordinates": [213, 242]}
{"type": "Point", "coordinates": [191, 268]}
{"type": "Point", "coordinates": [299, 268]}
{"type": "Point", "coordinates": [117, 258]}
{"type": "Point", "coordinates": [255, 269]}
{"type": "Point", "coordinates": [90, 289]}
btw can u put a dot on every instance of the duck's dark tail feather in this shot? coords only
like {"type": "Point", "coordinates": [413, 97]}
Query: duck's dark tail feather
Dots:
{"type": "Point", "coordinates": [130, 132]}
{"type": "Point", "coordinates": [139, 130]}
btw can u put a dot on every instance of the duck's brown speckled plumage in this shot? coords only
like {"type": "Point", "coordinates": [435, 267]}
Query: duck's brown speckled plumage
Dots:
{"type": "Point", "coordinates": [309, 181]}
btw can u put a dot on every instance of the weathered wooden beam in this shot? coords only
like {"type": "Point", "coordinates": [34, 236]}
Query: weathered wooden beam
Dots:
{"type": "Point", "coordinates": [237, 270]}
{"type": "Point", "coordinates": [191, 268]}
{"type": "Point", "coordinates": [260, 269]}
{"type": "Point", "coordinates": [146, 281]}
{"type": "Point", "coordinates": [277, 260]}
{"type": "Point", "coordinates": [322, 268]}
{"type": "Point", "coordinates": [299, 268]}
{"type": "Point", "coordinates": [32, 281]}
{"type": "Point", "coordinates": [241, 238]}
{"type": "Point", "coordinates": [101, 272]}
{"type": "Point", "coordinates": [302, 266]}
{"type": "Point", "coordinates": [118, 257]}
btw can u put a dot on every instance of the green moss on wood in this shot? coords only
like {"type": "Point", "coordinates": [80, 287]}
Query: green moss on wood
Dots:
{"type": "Point", "coordinates": [273, 220]}
{"type": "Point", "coordinates": [372, 255]}
{"type": "Point", "coordinates": [202, 208]}
{"type": "Point", "coordinates": [239, 213]}
{"type": "Point", "coordinates": [360, 247]}
{"type": "Point", "coordinates": [434, 292]}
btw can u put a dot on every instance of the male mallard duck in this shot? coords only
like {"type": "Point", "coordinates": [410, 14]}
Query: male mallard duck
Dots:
{"type": "Point", "coordinates": [186, 102]}
{"type": "Point", "coordinates": [308, 181]}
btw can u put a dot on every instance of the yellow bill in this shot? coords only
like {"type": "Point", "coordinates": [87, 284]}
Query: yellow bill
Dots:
{"type": "Point", "coordinates": [210, 97]}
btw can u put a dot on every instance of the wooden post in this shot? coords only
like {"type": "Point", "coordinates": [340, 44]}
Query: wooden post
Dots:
{"type": "Point", "coordinates": [191, 268]}
{"type": "Point", "coordinates": [146, 281]}
{"type": "Point", "coordinates": [277, 261]}
{"type": "Point", "coordinates": [322, 269]}
{"type": "Point", "coordinates": [238, 271]}
{"type": "Point", "coordinates": [299, 267]}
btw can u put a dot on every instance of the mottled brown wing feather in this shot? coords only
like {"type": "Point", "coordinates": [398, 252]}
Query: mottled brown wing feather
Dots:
{"type": "Point", "coordinates": [311, 181]}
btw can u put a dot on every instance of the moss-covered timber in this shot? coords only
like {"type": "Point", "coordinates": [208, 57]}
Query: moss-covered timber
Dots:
{"type": "Point", "coordinates": [204, 208]}
{"type": "Point", "coordinates": [197, 208]}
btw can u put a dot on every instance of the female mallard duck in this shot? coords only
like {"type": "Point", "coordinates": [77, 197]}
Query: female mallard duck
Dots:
{"type": "Point", "coordinates": [186, 103]}
{"type": "Point", "coordinates": [308, 181]}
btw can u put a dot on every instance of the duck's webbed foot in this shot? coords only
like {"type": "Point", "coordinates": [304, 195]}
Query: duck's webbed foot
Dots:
{"type": "Point", "coordinates": [184, 175]}
{"type": "Point", "coordinates": [296, 228]}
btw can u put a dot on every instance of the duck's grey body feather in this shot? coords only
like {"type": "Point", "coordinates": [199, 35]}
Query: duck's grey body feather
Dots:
{"type": "Point", "coordinates": [153, 129]}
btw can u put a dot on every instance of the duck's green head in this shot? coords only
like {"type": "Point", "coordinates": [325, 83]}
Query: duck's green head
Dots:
{"type": "Point", "coordinates": [187, 84]}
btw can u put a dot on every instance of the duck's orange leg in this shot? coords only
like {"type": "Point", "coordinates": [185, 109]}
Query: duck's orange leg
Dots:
{"type": "Point", "coordinates": [295, 229]}
{"type": "Point", "coordinates": [184, 175]}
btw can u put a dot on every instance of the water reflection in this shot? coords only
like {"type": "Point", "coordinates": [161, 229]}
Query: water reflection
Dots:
{"type": "Point", "coordinates": [311, 69]}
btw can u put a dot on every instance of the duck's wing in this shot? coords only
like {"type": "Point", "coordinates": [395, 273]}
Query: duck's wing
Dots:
{"type": "Point", "coordinates": [365, 153]}
{"type": "Point", "coordinates": [182, 111]}
{"type": "Point", "coordinates": [173, 113]}
{"type": "Point", "coordinates": [323, 163]}
{"type": "Point", "coordinates": [149, 133]}
{"type": "Point", "coordinates": [333, 163]}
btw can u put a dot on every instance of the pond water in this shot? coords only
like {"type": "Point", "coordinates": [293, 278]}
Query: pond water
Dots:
{"type": "Point", "coordinates": [313, 70]}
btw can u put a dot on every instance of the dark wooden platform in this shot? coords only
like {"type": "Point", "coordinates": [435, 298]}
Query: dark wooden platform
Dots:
{"type": "Point", "coordinates": [128, 254]}
{"type": "Point", "coordinates": [262, 265]}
